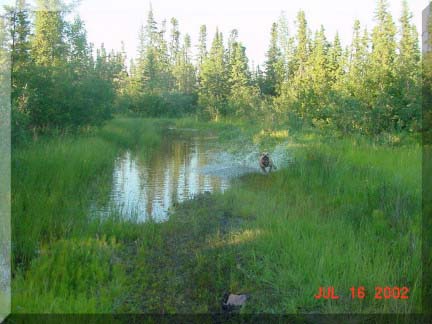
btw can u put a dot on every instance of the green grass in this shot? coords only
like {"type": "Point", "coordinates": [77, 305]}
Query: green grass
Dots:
{"type": "Point", "coordinates": [54, 182]}
{"type": "Point", "coordinates": [337, 217]}
{"type": "Point", "coordinates": [345, 213]}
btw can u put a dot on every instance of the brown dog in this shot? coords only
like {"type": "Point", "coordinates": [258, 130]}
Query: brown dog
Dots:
{"type": "Point", "coordinates": [266, 162]}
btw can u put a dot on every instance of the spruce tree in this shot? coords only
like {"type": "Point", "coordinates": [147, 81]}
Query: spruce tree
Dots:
{"type": "Point", "coordinates": [243, 94]}
{"type": "Point", "coordinates": [301, 52]}
{"type": "Point", "coordinates": [382, 72]}
{"type": "Point", "coordinates": [214, 87]}
{"type": "Point", "coordinates": [336, 63]}
{"type": "Point", "coordinates": [274, 65]}
{"type": "Point", "coordinates": [174, 41]}
{"type": "Point", "coordinates": [79, 51]}
{"type": "Point", "coordinates": [48, 44]}
{"type": "Point", "coordinates": [202, 46]}
{"type": "Point", "coordinates": [285, 43]}
{"type": "Point", "coordinates": [408, 67]}
{"type": "Point", "coordinates": [184, 71]}
{"type": "Point", "coordinates": [317, 87]}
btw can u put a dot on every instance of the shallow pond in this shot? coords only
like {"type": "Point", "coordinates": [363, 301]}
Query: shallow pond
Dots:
{"type": "Point", "coordinates": [186, 163]}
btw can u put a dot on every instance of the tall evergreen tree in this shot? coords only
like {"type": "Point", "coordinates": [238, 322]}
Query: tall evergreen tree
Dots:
{"type": "Point", "coordinates": [383, 46]}
{"type": "Point", "coordinates": [381, 74]}
{"type": "Point", "coordinates": [174, 41]}
{"type": "Point", "coordinates": [165, 80]}
{"type": "Point", "coordinates": [301, 52]}
{"type": "Point", "coordinates": [79, 50]}
{"type": "Point", "coordinates": [243, 94]}
{"type": "Point", "coordinates": [336, 61]}
{"type": "Point", "coordinates": [286, 44]}
{"type": "Point", "coordinates": [151, 30]}
{"type": "Point", "coordinates": [153, 68]}
{"type": "Point", "coordinates": [184, 71]}
{"type": "Point", "coordinates": [408, 67]}
{"type": "Point", "coordinates": [358, 63]}
{"type": "Point", "coordinates": [274, 65]}
{"type": "Point", "coordinates": [19, 29]}
{"type": "Point", "coordinates": [214, 87]}
{"type": "Point", "coordinates": [48, 44]}
{"type": "Point", "coordinates": [295, 91]}
{"type": "Point", "coordinates": [202, 46]}
{"type": "Point", "coordinates": [232, 42]}
{"type": "Point", "coordinates": [317, 86]}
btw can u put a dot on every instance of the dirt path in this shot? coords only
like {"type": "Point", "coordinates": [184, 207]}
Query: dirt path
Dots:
{"type": "Point", "coordinates": [187, 268]}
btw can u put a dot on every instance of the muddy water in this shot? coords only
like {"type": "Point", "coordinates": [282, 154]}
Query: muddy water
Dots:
{"type": "Point", "coordinates": [186, 164]}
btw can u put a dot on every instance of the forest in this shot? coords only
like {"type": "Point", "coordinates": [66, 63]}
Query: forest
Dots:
{"type": "Point", "coordinates": [63, 83]}
{"type": "Point", "coordinates": [344, 123]}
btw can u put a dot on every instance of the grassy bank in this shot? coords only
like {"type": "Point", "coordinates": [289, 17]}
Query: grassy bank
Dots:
{"type": "Point", "coordinates": [342, 215]}
{"type": "Point", "coordinates": [60, 254]}
{"type": "Point", "coordinates": [345, 213]}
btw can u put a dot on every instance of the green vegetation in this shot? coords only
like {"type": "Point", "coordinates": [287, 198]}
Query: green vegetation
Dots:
{"type": "Point", "coordinates": [370, 87]}
{"type": "Point", "coordinates": [343, 214]}
{"type": "Point", "coordinates": [339, 216]}
{"type": "Point", "coordinates": [346, 211]}
{"type": "Point", "coordinates": [55, 180]}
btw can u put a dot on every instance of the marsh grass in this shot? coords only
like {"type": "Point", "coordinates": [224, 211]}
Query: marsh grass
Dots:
{"type": "Point", "coordinates": [340, 216]}
{"type": "Point", "coordinates": [60, 253]}
{"type": "Point", "coordinates": [345, 213]}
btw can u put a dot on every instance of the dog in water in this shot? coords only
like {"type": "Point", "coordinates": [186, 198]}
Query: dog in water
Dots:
{"type": "Point", "coordinates": [266, 162]}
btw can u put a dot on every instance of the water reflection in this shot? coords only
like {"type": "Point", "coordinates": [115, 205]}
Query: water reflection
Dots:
{"type": "Point", "coordinates": [147, 187]}
{"type": "Point", "coordinates": [185, 164]}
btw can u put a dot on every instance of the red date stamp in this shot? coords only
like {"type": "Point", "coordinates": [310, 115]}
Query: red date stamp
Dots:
{"type": "Point", "coordinates": [360, 293]}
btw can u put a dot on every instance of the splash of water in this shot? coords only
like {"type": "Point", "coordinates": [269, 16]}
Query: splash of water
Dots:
{"type": "Point", "coordinates": [243, 161]}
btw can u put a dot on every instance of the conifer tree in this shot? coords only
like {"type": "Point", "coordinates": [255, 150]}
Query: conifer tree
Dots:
{"type": "Point", "coordinates": [184, 71]}
{"type": "Point", "coordinates": [358, 63]}
{"type": "Point", "coordinates": [286, 44]}
{"type": "Point", "coordinates": [336, 61]}
{"type": "Point", "coordinates": [232, 43]}
{"type": "Point", "coordinates": [408, 67]}
{"type": "Point", "coordinates": [295, 91]}
{"type": "Point", "coordinates": [48, 44]}
{"type": "Point", "coordinates": [274, 65]}
{"type": "Point", "coordinates": [214, 87]}
{"type": "Point", "coordinates": [243, 94]}
{"type": "Point", "coordinates": [19, 29]}
{"type": "Point", "coordinates": [151, 30]}
{"type": "Point", "coordinates": [202, 46]}
{"type": "Point", "coordinates": [174, 41]}
{"type": "Point", "coordinates": [301, 52]}
{"type": "Point", "coordinates": [79, 51]}
{"type": "Point", "coordinates": [381, 72]}
{"type": "Point", "coordinates": [317, 87]}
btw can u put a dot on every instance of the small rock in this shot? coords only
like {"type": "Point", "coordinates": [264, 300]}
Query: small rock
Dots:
{"type": "Point", "coordinates": [232, 302]}
{"type": "Point", "coordinates": [236, 300]}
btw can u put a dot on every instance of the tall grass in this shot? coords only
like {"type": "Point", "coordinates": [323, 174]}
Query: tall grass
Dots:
{"type": "Point", "coordinates": [340, 216]}
{"type": "Point", "coordinates": [54, 181]}
{"type": "Point", "coordinates": [345, 213]}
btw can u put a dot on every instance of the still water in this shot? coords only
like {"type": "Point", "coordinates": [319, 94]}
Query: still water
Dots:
{"type": "Point", "coordinates": [186, 163]}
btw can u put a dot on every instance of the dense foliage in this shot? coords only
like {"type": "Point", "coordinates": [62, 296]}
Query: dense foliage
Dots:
{"type": "Point", "coordinates": [369, 87]}
{"type": "Point", "coordinates": [57, 82]}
